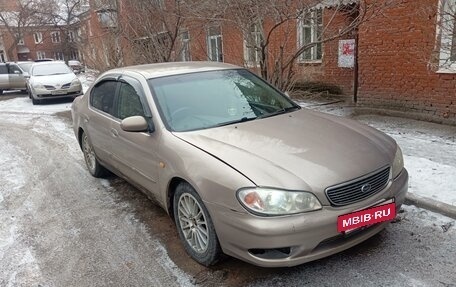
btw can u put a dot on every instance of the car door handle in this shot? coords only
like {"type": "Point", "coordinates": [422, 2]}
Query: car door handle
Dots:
{"type": "Point", "coordinates": [114, 133]}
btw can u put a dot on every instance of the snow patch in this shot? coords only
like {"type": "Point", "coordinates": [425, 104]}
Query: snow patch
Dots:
{"type": "Point", "coordinates": [24, 105]}
{"type": "Point", "coordinates": [431, 179]}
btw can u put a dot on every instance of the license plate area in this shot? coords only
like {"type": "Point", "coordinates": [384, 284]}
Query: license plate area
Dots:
{"type": "Point", "coordinates": [58, 92]}
{"type": "Point", "coordinates": [353, 221]}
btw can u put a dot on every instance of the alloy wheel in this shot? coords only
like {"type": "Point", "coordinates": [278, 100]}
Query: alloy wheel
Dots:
{"type": "Point", "coordinates": [193, 223]}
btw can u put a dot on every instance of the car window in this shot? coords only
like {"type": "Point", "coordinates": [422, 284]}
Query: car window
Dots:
{"type": "Point", "coordinates": [214, 98]}
{"type": "Point", "coordinates": [25, 66]}
{"type": "Point", "coordinates": [3, 69]}
{"type": "Point", "coordinates": [13, 69]}
{"type": "Point", "coordinates": [102, 96]}
{"type": "Point", "coordinates": [50, 69]}
{"type": "Point", "coordinates": [129, 103]}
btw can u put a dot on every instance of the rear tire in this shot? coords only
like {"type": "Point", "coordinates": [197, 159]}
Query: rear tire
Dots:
{"type": "Point", "coordinates": [93, 165]}
{"type": "Point", "coordinates": [195, 226]}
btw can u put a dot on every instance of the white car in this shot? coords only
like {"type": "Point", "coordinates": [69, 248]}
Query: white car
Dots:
{"type": "Point", "coordinates": [51, 80]}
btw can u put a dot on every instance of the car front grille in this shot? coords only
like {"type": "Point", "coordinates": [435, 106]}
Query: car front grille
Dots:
{"type": "Point", "coordinates": [358, 189]}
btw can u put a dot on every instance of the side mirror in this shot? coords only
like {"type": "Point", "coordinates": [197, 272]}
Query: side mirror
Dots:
{"type": "Point", "coordinates": [134, 124]}
{"type": "Point", "coordinates": [26, 75]}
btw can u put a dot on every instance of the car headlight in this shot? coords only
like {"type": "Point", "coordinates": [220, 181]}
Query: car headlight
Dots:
{"type": "Point", "coordinates": [398, 163]}
{"type": "Point", "coordinates": [76, 82]}
{"type": "Point", "coordinates": [37, 86]}
{"type": "Point", "coordinates": [269, 201]}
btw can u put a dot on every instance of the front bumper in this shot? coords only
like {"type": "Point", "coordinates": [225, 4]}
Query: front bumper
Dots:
{"type": "Point", "coordinates": [296, 239]}
{"type": "Point", "coordinates": [72, 91]}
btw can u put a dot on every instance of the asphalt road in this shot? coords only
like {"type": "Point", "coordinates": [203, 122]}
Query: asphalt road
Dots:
{"type": "Point", "coordinates": [61, 227]}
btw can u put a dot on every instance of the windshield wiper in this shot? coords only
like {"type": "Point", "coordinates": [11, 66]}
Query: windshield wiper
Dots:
{"type": "Point", "coordinates": [244, 119]}
{"type": "Point", "coordinates": [279, 112]}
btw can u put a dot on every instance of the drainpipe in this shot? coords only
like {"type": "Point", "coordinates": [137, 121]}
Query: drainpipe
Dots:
{"type": "Point", "coordinates": [355, 70]}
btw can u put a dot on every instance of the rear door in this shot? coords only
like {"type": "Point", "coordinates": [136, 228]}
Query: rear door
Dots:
{"type": "Point", "coordinates": [16, 77]}
{"type": "Point", "coordinates": [4, 78]}
{"type": "Point", "coordinates": [135, 153]}
{"type": "Point", "coordinates": [99, 117]}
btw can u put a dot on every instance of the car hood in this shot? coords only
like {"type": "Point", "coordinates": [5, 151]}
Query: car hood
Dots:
{"type": "Point", "coordinates": [53, 80]}
{"type": "Point", "coordinates": [303, 150]}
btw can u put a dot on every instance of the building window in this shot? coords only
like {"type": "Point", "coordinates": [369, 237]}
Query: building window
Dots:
{"type": "Point", "coordinates": [214, 44]}
{"type": "Point", "coordinates": [185, 51]}
{"type": "Point", "coordinates": [20, 39]}
{"type": "Point", "coordinates": [70, 36]}
{"type": "Point", "coordinates": [252, 45]}
{"type": "Point", "coordinates": [107, 18]}
{"type": "Point", "coordinates": [59, 56]}
{"type": "Point", "coordinates": [447, 27]}
{"type": "Point", "coordinates": [2, 56]}
{"type": "Point", "coordinates": [38, 37]}
{"type": "Point", "coordinates": [55, 37]}
{"type": "Point", "coordinates": [310, 27]}
{"type": "Point", "coordinates": [74, 55]}
{"type": "Point", "coordinates": [40, 55]}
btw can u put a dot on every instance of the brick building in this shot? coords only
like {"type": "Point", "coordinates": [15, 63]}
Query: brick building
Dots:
{"type": "Point", "coordinates": [407, 59]}
{"type": "Point", "coordinates": [35, 41]}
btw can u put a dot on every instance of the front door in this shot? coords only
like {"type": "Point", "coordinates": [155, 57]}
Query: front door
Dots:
{"type": "Point", "coordinates": [16, 77]}
{"type": "Point", "coordinates": [135, 153]}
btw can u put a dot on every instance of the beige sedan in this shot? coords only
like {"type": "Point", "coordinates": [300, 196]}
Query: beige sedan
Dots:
{"type": "Point", "coordinates": [240, 168]}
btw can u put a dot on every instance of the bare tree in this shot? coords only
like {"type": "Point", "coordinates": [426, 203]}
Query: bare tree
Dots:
{"type": "Point", "coordinates": [155, 29]}
{"type": "Point", "coordinates": [65, 19]}
{"type": "Point", "coordinates": [270, 21]}
{"type": "Point", "coordinates": [27, 15]}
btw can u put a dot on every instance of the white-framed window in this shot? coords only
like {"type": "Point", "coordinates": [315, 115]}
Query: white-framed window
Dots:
{"type": "Point", "coordinates": [160, 3]}
{"type": "Point", "coordinates": [70, 36]}
{"type": "Point", "coordinates": [40, 55]}
{"type": "Point", "coordinates": [55, 37]}
{"type": "Point", "coordinates": [20, 39]}
{"type": "Point", "coordinates": [38, 37]}
{"type": "Point", "coordinates": [252, 44]}
{"type": "Point", "coordinates": [310, 27]}
{"type": "Point", "coordinates": [74, 55]}
{"type": "Point", "coordinates": [447, 28]}
{"type": "Point", "coordinates": [185, 50]}
{"type": "Point", "coordinates": [108, 18]}
{"type": "Point", "coordinates": [214, 44]}
{"type": "Point", "coordinates": [59, 56]}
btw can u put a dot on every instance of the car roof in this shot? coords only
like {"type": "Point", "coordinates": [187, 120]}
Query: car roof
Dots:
{"type": "Point", "coordinates": [149, 71]}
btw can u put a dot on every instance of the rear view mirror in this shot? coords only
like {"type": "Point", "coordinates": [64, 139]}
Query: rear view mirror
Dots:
{"type": "Point", "coordinates": [134, 124]}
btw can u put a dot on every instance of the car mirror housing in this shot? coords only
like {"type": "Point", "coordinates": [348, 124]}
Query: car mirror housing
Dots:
{"type": "Point", "coordinates": [135, 124]}
{"type": "Point", "coordinates": [26, 75]}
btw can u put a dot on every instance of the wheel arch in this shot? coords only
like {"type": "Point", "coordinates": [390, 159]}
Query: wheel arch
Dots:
{"type": "Point", "coordinates": [80, 132]}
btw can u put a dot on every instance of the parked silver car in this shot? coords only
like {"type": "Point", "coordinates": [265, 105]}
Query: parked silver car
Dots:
{"type": "Point", "coordinates": [12, 77]}
{"type": "Point", "coordinates": [240, 167]}
{"type": "Point", "coordinates": [52, 80]}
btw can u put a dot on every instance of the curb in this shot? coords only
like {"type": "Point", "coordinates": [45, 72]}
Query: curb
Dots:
{"type": "Point", "coordinates": [431, 204]}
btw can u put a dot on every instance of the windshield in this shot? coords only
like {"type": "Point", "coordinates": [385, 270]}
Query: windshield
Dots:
{"type": "Point", "coordinates": [216, 98]}
{"type": "Point", "coordinates": [25, 66]}
{"type": "Point", "coordinates": [50, 69]}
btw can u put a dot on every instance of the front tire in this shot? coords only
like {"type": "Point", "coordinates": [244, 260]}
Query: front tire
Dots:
{"type": "Point", "coordinates": [35, 101]}
{"type": "Point", "coordinates": [195, 226]}
{"type": "Point", "coordinates": [93, 165]}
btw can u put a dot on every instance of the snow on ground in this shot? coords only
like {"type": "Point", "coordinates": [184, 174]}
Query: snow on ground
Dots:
{"type": "Point", "coordinates": [24, 105]}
